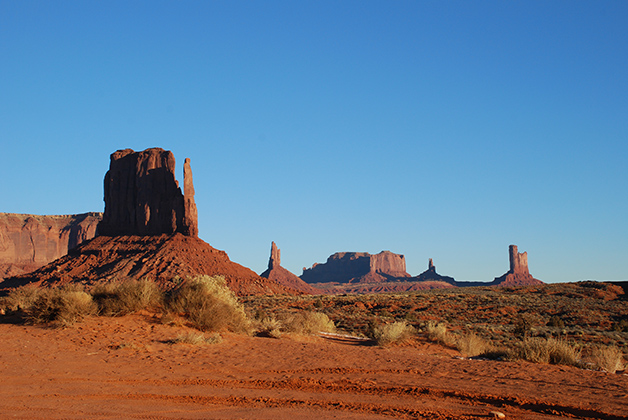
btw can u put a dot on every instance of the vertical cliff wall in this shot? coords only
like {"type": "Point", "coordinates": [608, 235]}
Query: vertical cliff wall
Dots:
{"type": "Point", "coordinates": [142, 196]}
{"type": "Point", "coordinates": [518, 275]}
{"type": "Point", "coordinates": [28, 241]}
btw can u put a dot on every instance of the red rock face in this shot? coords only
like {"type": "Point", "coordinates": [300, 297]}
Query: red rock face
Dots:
{"type": "Point", "coordinates": [518, 275]}
{"type": "Point", "coordinates": [353, 267]}
{"type": "Point", "coordinates": [167, 259]}
{"type": "Point", "coordinates": [430, 275]}
{"type": "Point", "coordinates": [142, 196]}
{"type": "Point", "coordinates": [28, 242]}
{"type": "Point", "coordinates": [284, 277]}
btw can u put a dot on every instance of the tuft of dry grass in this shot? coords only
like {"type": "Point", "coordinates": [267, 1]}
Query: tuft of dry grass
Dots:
{"type": "Point", "coordinates": [61, 306]}
{"type": "Point", "coordinates": [122, 298]}
{"type": "Point", "coordinates": [196, 338]}
{"type": "Point", "coordinates": [438, 332]}
{"type": "Point", "coordinates": [549, 350]}
{"type": "Point", "coordinates": [20, 298]}
{"type": "Point", "coordinates": [309, 323]}
{"type": "Point", "coordinates": [607, 358]}
{"type": "Point", "coordinates": [470, 345]}
{"type": "Point", "coordinates": [268, 327]}
{"type": "Point", "coordinates": [395, 332]}
{"type": "Point", "coordinates": [209, 305]}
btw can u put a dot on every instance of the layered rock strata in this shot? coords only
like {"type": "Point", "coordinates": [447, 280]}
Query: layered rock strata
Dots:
{"type": "Point", "coordinates": [28, 241]}
{"type": "Point", "coordinates": [142, 196]}
{"type": "Point", "coordinates": [284, 277]}
{"type": "Point", "coordinates": [357, 267]}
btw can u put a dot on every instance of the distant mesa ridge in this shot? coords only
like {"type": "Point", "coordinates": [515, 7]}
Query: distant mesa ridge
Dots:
{"type": "Point", "coordinates": [357, 267]}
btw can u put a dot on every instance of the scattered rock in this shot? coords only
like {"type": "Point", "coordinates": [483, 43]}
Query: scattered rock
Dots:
{"type": "Point", "coordinates": [498, 415]}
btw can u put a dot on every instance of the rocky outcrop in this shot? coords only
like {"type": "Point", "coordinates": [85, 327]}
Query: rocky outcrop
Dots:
{"type": "Point", "coordinates": [167, 259]}
{"type": "Point", "coordinates": [356, 267]}
{"type": "Point", "coordinates": [431, 275]}
{"type": "Point", "coordinates": [284, 277]}
{"type": "Point", "coordinates": [518, 275]}
{"type": "Point", "coordinates": [28, 241]}
{"type": "Point", "coordinates": [142, 196]}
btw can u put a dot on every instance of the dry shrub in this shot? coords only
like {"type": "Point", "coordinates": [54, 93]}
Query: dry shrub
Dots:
{"type": "Point", "coordinates": [20, 298]}
{"type": "Point", "coordinates": [309, 323]}
{"type": "Point", "coordinates": [122, 298]}
{"type": "Point", "coordinates": [209, 305]}
{"type": "Point", "coordinates": [197, 338]}
{"type": "Point", "coordinates": [61, 306]}
{"type": "Point", "coordinates": [438, 332]}
{"type": "Point", "coordinates": [607, 358]}
{"type": "Point", "coordinates": [268, 327]}
{"type": "Point", "coordinates": [470, 345]}
{"type": "Point", "coordinates": [550, 350]}
{"type": "Point", "coordinates": [396, 332]}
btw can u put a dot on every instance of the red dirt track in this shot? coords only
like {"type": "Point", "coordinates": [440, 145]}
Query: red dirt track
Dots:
{"type": "Point", "coordinates": [125, 368]}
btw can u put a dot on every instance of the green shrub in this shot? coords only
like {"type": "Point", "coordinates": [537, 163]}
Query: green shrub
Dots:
{"type": "Point", "coordinates": [209, 305]}
{"type": "Point", "coordinates": [122, 298]}
{"type": "Point", "coordinates": [61, 306]}
{"type": "Point", "coordinates": [395, 332]}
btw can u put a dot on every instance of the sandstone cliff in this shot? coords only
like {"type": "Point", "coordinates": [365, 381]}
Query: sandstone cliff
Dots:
{"type": "Point", "coordinates": [518, 275]}
{"type": "Point", "coordinates": [28, 241]}
{"type": "Point", "coordinates": [284, 277]}
{"type": "Point", "coordinates": [357, 267]}
{"type": "Point", "coordinates": [142, 196]}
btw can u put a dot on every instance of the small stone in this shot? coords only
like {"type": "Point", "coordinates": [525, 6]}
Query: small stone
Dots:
{"type": "Point", "coordinates": [498, 415]}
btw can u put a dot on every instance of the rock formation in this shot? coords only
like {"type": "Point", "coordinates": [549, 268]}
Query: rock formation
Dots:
{"type": "Point", "coordinates": [148, 231]}
{"type": "Point", "coordinates": [28, 241]}
{"type": "Point", "coordinates": [518, 275]}
{"type": "Point", "coordinates": [354, 267]}
{"type": "Point", "coordinates": [142, 196]}
{"type": "Point", "coordinates": [284, 277]}
{"type": "Point", "coordinates": [431, 275]}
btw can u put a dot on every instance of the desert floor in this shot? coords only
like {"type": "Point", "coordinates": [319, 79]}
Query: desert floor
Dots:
{"type": "Point", "coordinates": [126, 368]}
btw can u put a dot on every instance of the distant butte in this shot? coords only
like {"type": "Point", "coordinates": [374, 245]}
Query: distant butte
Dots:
{"type": "Point", "coordinates": [518, 275]}
{"type": "Point", "coordinates": [149, 230]}
{"type": "Point", "coordinates": [284, 277]}
{"type": "Point", "coordinates": [358, 267]}
{"type": "Point", "coordinates": [431, 275]}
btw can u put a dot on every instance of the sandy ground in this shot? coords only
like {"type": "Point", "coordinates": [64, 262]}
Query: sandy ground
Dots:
{"type": "Point", "coordinates": [125, 368]}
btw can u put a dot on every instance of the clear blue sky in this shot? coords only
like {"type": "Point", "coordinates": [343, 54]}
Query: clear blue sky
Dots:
{"type": "Point", "coordinates": [433, 129]}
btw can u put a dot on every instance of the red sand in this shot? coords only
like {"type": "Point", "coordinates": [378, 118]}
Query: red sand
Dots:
{"type": "Point", "coordinates": [124, 368]}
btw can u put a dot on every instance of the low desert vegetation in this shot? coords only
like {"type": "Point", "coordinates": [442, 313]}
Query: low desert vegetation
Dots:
{"type": "Point", "coordinates": [393, 333]}
{"type": "Point", "coordinates": [471, 345]}
{"type": "Point", "coordinates": [125, 297]}
{"type": "Point", "coordinates": [197, 338]}
{"type": "Point", "coordinates": [437, 332]}
{"type": "Point", "coordinates": [268, 326]}
{"type": "Point", "coordinates": [549, 350]}
{"type": "Point", "coordinates": [607, 358]}
{"type": "Point", "coordinates": [308, 322]}
{"type": "Point", "coordinates": [61, 307]}
{"type": "Point", "coordinates": [209, 305]}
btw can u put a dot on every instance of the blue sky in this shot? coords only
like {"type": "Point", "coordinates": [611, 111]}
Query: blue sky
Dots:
{"type": "Point", "coordinates": [433, 129]}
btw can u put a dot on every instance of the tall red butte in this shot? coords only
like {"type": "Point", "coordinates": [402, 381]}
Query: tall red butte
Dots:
{"type": "Point", "coordinates": [149, 231]}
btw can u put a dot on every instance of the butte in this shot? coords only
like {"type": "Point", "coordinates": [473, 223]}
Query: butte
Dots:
{"type": "Point", "coordinates": [149, 230]}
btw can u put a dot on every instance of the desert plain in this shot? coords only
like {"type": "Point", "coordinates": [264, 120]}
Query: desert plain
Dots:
{"type": "Point", "coordinates": [131, 367]}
